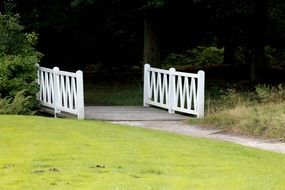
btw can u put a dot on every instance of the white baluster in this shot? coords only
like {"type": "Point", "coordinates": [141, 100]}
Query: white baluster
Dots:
{"type": "Point", "coordinates": [172, 94]}
{"type": "Point", "coordinates": [56, 94]}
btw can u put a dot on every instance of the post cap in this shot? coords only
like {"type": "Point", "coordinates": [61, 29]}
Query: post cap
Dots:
{"type": "Point", "coordinates": [56, 69]}
{"type": "Point", "coordinates": [146, 65]}
{"type": "Point", "coordinates": [79, 72]}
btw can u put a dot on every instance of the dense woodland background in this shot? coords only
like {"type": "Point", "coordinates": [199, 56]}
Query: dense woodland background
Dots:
{"type": "Point", "coordinates": [238, 39]}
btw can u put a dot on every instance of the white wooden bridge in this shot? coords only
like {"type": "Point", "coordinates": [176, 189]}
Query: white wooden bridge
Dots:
{"type": "Point", "coordinates": [62, 93]}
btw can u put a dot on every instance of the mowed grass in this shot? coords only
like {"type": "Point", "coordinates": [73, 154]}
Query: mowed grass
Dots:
{"type": "Point", "coordinates": [59, 154]}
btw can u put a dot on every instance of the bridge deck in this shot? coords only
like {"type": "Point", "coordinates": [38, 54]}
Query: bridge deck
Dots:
{"type": "Point", "coordinates": [130, 113]}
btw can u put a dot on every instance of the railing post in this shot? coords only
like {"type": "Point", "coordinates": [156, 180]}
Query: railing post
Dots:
{"type": "Point", "coordinates": [146, 85]}
{"type": "Point", "coordinates": [201, 94]}
{"type": "Point", "coordinates": [56, 95]}
{"type": "Point", "coordinates": [80, 95]}
{"type": "Point", "coordinates": [171, 93]}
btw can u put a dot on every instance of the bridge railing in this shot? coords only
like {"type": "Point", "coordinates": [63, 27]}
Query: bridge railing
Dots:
{"type": "Point", "coordinates": [175, 91]}
{"type": "Point", "coordinates": [61, 91]}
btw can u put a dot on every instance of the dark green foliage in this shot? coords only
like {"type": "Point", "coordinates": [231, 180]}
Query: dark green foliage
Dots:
{"type": "Point", "coordinates": [80, 34]}
{"type": "Point", "coordinates": [219, 99]}
{"type": "Point", "coordinates": [275, 57]}
{"type": "Point", "coordinates": [258, 112]}
{"type": "Point", "coordinates": [18, 58]}
{"type": "Point", "coordinates": [270, 94]}
{"type": "Point", "coordinates": [20, 104]}
{"type": "Point", "coordinates": [155, 3]}
{"type": "Point", "coordinates": [200, 55]}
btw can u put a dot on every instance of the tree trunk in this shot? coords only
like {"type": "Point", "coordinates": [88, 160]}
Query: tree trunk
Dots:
{"type": "Point", "coordinates": [257, 68]}
{"type": "Point", "coordinates": [2, 7]}
{"type": "Point", "coordinates": [229, 48]}
{"type": "Point", "coordinates": [151, 53]}
{"type": "Point", "coordinates": [229, 53]}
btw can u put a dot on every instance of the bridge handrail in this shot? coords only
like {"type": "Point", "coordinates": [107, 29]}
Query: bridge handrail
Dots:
{"type": "Point", "coordinates": [175, 91]}
{"type": "Point", "coordinates": [61, 91]}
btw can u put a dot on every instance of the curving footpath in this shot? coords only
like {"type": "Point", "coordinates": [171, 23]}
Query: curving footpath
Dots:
{"type": "Point", "coordinates": [153, 118]}
{"type": "Point", "coordinates": [183, 128]}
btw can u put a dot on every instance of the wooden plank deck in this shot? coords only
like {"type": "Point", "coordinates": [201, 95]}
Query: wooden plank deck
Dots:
{"type": "Point", "coordinates": [130, 113]}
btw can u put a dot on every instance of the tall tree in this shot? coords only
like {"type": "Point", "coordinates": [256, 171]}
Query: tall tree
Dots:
{"type": "Point", "coordinates": [260, 22]}
{"type": "Point", "coordinates": [152, 10]}
{"type": "Point", "coordinates": [151, 52]}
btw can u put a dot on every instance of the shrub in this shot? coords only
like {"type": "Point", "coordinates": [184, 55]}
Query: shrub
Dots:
{"type": "Point", "coordinates": [219, 99]}
{"type": "Point", "coordinates": [228, 99]}
{"type": "Point", "coordinates": [267, 94]}
{"type": "Point", "coordinates": [200, 55]}
{"type": "Point", "coordinates": [274, 56]}
{"type": "Point", "coordinates": [20, 104]}
{"type": "Point", "coordinates": [258, 112]}
{"type": "Point", "coordinates": [17, 59]}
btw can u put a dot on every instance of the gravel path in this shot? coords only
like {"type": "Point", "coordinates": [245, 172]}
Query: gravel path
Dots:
{"type": "Point", "coordinates": [153, 118]}
{"type": "Point", "coordinates": [181, 127]}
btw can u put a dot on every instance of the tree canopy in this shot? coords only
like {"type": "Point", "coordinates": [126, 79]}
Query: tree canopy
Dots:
{"type": "Point", "coordinates": [123, 34]}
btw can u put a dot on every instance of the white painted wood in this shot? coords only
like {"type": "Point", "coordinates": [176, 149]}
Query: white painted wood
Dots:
{"type": "Point", "coordinates": [56, 92]}
{"type": "Point", "coordinates": [171, 91]}
{"type": "Point", "coordinates": [157, 104]}
{"type": "Point", "coordinates": [175, 91]}
{"type": "Point", "coordinates": [165, 89]}
{"type": "Point", "coordinates": [183, 74]}
{"type": "Point", "coordinates": [61, 91]}
{"type": "Point", "coordinates": [80, 95]}
{"type": "Point", "coordinates": [74, 92]}
{"type": "Point", "coordinates": [146, 82]}
{"type": "Point", "coordinates": [158, 70]}
{"type": "Point", "coordinates": [156, 87]}
{"type": "Point", "coordinates": [200, 94]}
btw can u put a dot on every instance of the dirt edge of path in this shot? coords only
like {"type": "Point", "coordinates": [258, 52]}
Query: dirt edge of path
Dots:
{"type": "Point", "coordinates": [180, 127]}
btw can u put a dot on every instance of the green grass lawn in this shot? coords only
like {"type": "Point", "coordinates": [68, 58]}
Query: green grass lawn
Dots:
{"type": "Point", "coordinates": [40, 153]}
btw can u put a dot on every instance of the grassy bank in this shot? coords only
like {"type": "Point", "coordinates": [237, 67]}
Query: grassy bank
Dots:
{"type": "Point", "coordinates": [43, 153]}
{"type": "Point", "coordinates": [259, 112]}
{"type": "Point", "coordinates": [264, 120]}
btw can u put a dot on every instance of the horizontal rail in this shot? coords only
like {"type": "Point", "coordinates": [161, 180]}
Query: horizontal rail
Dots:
{"type": "Point", "coordinates": [183, 74]}
{"type": "Point", "coordinates": [158, 70]}
{"type": "Point", "coordinates": [58, 72]}
{"type": "Point", "coordinates": [65, 73]}
{"type": "Point", "coordinates": [45, 69]}
{"type": "Point", "coordinates": [157, 104]}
